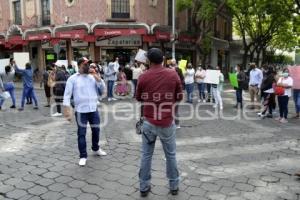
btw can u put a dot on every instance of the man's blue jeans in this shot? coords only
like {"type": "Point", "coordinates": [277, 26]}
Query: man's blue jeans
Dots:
{"type": "Point", "coordinates": [82, 119]}
{"type": "Point", "coordinates": [239, 96]}
{"type": "Point", "coordinates": [297, 99]}
{"type": "Point", "coordinates": [28, 92]}
{"type": "Point", "coordinates": [110, 87]}
{"type": "Point", "coordinates": [10, 87]}
{"type": "Point", "coordinates": [189, 90]}
{"type": "Point", "coordinates": [168, 139]}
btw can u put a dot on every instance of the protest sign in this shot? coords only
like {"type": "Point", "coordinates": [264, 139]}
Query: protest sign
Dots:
{"type": "Point", "coordinates": [182, 65]}
{"type": "Point", "coordinates": [141, 56]}
{"type": "Point", "coordinates": [21, 58]}
{"type": "Point", "coordinates": [212, 77]}
{"type": "Point", "coordinates": [60, 63]}
{"type": "Point", "coordinates": [233, 80]}
{"type": "Point", "coordinates": [295, 74]}
{"type": "Point", "coordinates": [3, 64]}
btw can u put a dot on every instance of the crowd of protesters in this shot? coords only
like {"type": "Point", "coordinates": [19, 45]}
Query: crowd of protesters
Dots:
{"type": "Point", "coordinates": [81, 91]}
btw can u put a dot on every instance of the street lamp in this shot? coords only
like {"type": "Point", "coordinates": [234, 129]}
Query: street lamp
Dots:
{"type": "Point", "coordinates": [173, 29]}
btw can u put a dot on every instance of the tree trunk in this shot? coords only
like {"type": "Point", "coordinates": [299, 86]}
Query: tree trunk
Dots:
{"type": "Point", "coordinates": [258, 51]}
{"type": "Point", "coordinates": [245, 57]}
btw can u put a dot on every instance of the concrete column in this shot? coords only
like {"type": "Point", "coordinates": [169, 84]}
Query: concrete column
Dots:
{"type": "Point", "coordinates": [69, 52]}
{"type": "Point", "coordinates": [92, 51]}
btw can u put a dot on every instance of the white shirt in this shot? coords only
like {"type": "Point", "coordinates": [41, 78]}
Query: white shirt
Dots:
{"type": "Point", "coordinates": [256, 77]}
{"type": "Point", "coordinates": [136, 72]}
{"type": "Point", "coordinates": [288, 81]}
{"type": "Point", "coordinates": [201, 73]}
{"type": "Point", "coordinates": [189, 76]}
{"type": "Point", "coordinates": [84, 91]}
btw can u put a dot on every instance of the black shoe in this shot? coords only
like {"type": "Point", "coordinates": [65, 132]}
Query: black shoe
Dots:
{"type": "Point", "coordinates": [47, 106]}
{"type": "Point", "coordinates": [35, 108]}
{"type": "Point", "coordinates": [174, 192]}
{"type": "Point", "coordinates": [269, 116]}
{"type": "Point", "coordinates": [145, 193]}
{"type": "Point", "coordinates": [13, 107]}
{"type": "Point", "coordinates": [236, 106]}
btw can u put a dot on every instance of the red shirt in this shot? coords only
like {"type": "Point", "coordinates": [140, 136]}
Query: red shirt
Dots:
{"type": "Point", "coordinates": [159, 89]}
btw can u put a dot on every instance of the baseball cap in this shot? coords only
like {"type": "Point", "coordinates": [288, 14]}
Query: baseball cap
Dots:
{"type": "Point", "coordinates": [155, 56]}
{"type": "Point", "coordinates": [82, 60]}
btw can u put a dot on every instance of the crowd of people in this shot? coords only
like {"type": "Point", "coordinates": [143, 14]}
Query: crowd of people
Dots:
{"type": "Point", "coordinates": [81, 91]}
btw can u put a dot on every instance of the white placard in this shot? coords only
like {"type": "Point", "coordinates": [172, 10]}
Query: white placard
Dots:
{"type": "Point", "coordinates": [212, 76]}
{"type": "Point", "coordinates": [141, 56]}
{"type": "Point", "coordinates": [75, 65]}
{"type": "Point", "coordinates": [3, 64]}
{"type": "Point", "coordinates": [21, 59]}
{"type": "Point", "coordinates": [60, 63]}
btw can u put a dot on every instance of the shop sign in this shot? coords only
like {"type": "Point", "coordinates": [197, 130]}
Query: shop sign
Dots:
{"type": "Point", "coordinates": [121, 41]}
{"type": "Point", "coordinates": [79, 43]}
{"type": "Point", "coordinates": [47, 45]}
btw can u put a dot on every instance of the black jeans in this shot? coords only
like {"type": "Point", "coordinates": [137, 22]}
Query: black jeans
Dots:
{"type": "Point", "coordinates": [58, 104]}
{"type": "Point", "coordinates": [283, 102]}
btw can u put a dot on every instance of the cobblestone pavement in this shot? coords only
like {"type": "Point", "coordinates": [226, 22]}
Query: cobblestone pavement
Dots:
{"type": "Point", "coordinates": [218, 159]}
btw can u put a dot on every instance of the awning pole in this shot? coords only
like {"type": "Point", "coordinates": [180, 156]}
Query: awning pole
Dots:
{"type": "Point", "coordinates": [173, 29]}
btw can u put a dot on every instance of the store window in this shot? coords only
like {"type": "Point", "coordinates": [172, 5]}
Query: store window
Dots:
{"type": "Point", "coordinates": [80, 52]}
{"type": "Point", "coordinates": [120, 8]}
{"type": "Point", "coordinates": [17, 12]}
{"type": "Point", "coordinates": [45, 12]}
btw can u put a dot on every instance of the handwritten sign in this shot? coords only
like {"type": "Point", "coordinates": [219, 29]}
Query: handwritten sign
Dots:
{"type": "Point", "coordinates": [182, 65]}
{"type": "Point", "coordinates": [212, 77]}
{"type": "Point", "coordinates": [233, 80]}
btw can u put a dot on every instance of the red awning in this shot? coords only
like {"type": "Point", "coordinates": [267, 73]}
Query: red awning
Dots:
{"type": "Point", "coordinates": [89, 38]}
{"type": "Point", "coordinates": [149, 38]}
{"type": "Point", "coordinates": [163, 35]}
{"type": "Point", "coordinates": [119, 32]}
{"type": "Point", "coordinates": [39, 36]}
{"type": "Point", "coordinates": [187, 38]}
{"type": "Point", "coordinates": [73, 34]}
{"type": "Point", "coordinates": [16, 40]}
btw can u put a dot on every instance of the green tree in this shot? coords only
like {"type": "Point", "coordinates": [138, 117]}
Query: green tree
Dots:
{"type": "Point", "coordinates": [261, 22]}
{"type": "Point", "coordinates": [204, 13]}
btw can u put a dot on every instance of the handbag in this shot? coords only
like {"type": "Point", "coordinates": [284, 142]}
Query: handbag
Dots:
{"type": "Point", "coordinates": [5, 95]}
{"type": "Point", "coordinates": [279, 90]}
{"type": "Point", "coordinates": [139, 126]}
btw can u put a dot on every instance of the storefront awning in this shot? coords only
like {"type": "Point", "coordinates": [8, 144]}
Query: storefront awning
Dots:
{"type": "Point", "coordinates": [163, 35]}
{"type": "Point", "coordinates": [72, 34]}
{"type": "Point", "coordinates": [119, 32]}
{"type": "Point", "coordinates": [149, 38]}
{"type": "Point", "coordinates": [39, 36]}
{"type": "Point", "coordinates": [16, 40]}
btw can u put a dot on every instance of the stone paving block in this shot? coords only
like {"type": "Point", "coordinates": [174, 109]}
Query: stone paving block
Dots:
{"type": "Point", "coordinates": [45, 181]}
{"type": "Point", "coordinates": [16, 194]}
{"type": "Point", "coordinates": [51, 196]}
{"type": "Point", "coordinates": [269, 179]}
{"type": "Point", "coordinates": [63, 179]}
{"type": "Point", "coordinates": [210, 187]}
{"type": "Point", "coordinates": [91, 189]}
{"type": "Point", "coordinates": [37, 190]}
{"type": "Point", "coordinates": [58, 187]}
{"type": "Point", "coordinates": [87, 197]}
{"type": "Point", "coordinates": [244, 187]}
{"type": "Point", "coordinates": [72, 192]}
{"type": "Point", "coordinates": [257, 183]}
{"type": "Point", "coordinates": [25, 185]}
{"type": "Point", "coordinates": [194, 191]}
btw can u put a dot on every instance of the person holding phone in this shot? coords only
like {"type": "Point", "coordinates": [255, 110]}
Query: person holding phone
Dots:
{"type": "Point", "coordinates": [83, 86]}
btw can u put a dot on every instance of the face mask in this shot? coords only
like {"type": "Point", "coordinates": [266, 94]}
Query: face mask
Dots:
{"type": "Point", "coordinates": [235, 69]}
{"type": "Point", "coordinates": [85, 69]}
{"type": "Point", "coordinates": [285, 74]}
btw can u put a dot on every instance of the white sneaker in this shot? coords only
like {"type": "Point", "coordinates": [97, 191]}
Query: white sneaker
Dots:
{"type": "Point", "coordinates": [114, 99]}
{"type": "Point", "coordinates": [199, 101]}
{"type": "Point", "coordinates": [98, 103]}
{"type": "Point", "coordinates": [109, 99]}
{"type": "Point", "coordinates": [100, 152]}
{"type": "Point", "coordinates": [215, 105]}
{"type": "Point", "coordinates": [82, 162]}
{"type": "Point", "coordinates": [221, 107]}
{"type": "Point", "coordinates": [56, 115]}
{"type": "Point", "coordinates": [204, 101]}
{"type": "Point", "coordinates": [178, 127]}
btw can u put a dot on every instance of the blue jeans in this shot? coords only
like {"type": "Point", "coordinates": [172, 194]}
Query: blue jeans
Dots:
{"type": "Point", "coordinates": [168, 139]}
{"type": "Point", "coordinates": [283, 102]}
{"type": "Point", "coordinates": [110, 87]}
{"type": "Point", "coordinates": [10, 87]}
{"type": "Point", "coordinates": [189, 90]}
{"type": "Point", "coordinates": [82, 119]}
{"type": "Point", "coordinates": [28, 92]}
{"type": "Point", "coordinates": [297, 99]}
{"type": "Point", "coordinates": [135, 81]}
{"type": "Point", "coordinates": [201, 88]}
{"type": "Point", "coordinates": [239, 96]}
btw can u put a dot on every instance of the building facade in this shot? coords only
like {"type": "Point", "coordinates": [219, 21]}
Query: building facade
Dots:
{"type": "Point", "coordinates": [100, 29]}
